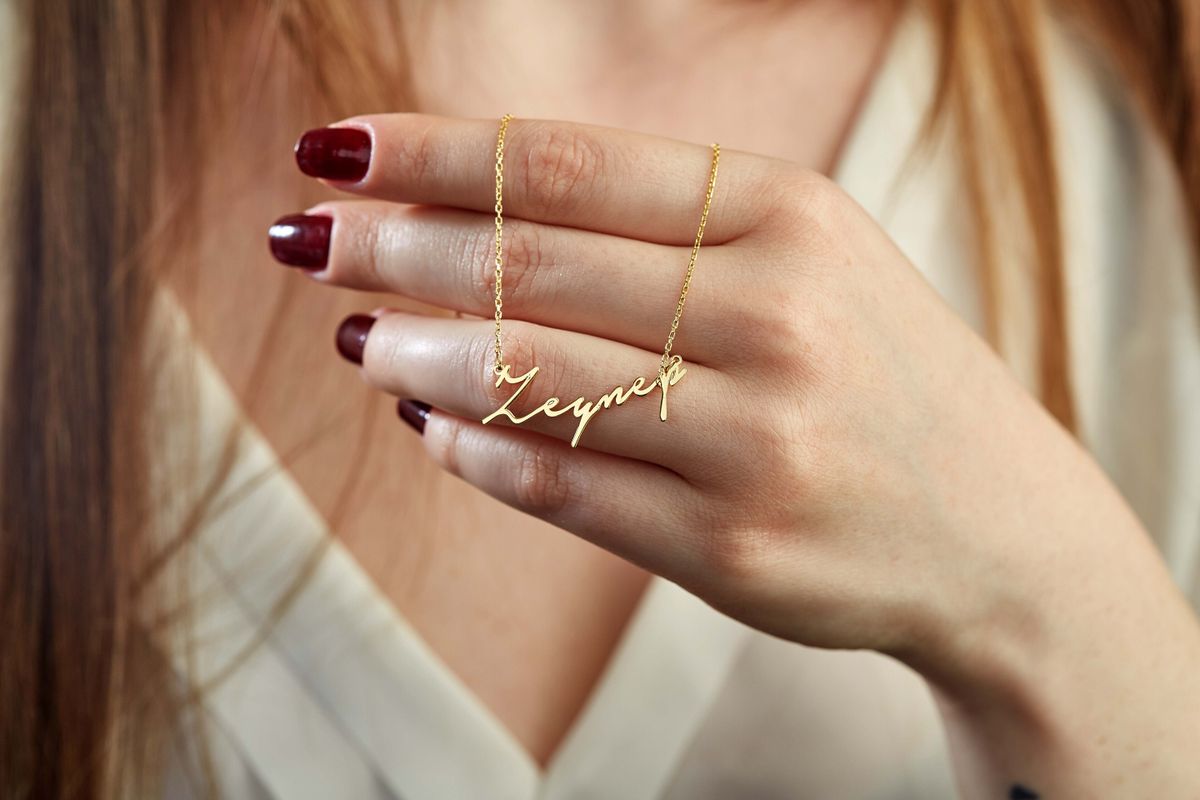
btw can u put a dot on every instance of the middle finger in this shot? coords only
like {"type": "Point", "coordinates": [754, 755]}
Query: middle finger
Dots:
{"type": "Point", "coordinates": [593, 283]}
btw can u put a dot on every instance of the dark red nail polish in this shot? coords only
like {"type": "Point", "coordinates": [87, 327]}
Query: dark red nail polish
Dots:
{"type": "Point", "coordinates": [301, 241]}
{"type": "Point", "coordinates": [337, 154]}
{"type": "Point", "coordinates": [415, 413]}
{"type": "Point", "coordinates": [352, 336]}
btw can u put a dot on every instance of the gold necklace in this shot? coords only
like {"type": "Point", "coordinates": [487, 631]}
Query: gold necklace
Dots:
{"type": "Point", "coordinates": [670, 369]}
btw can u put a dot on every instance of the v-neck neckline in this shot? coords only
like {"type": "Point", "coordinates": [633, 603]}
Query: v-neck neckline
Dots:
{"type": "Point", "coordinates": [369, 678]}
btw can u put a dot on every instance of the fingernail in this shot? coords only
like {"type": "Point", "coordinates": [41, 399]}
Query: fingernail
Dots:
{"type": "Point", "coordinates": [415, 413]}
{"type": "Point", "coordinates": [352, 336]}
{"type": "Point", "coordinates": [301, 241]}
{"type": "Point", "coordinates": [337, 154]}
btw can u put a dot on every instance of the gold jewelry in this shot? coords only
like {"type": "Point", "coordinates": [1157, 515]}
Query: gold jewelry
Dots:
{"type": "Point", "coordinates": [670, 369]}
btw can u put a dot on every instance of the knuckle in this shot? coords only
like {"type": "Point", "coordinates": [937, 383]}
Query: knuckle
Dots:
{"type": "Point", "coordinates": [418, 156]}
{"type": "Point", "coordinates": [483, 386]}
{"type": "Point", "coordinates": [375, 247]}
{"type": "Point", "coordinates": [786, 434]}
{"type": "Point", "coordinates": [772, 332]}
{"type": "Point", "coordinates": [770, 463]}
{"type": "Point", "coordinates": [522, 352]}
{"type": "Point", "coordinates": [474, 254]}
{"type": "Point", "coordinates": [525, 257]}
{"type": "Point", "coordinates": [543, 485]}
{"type": "Point", "coordinates": [526, 254]}
{"type": "Point", "coordinates": [562, 167]}
{"type": "Point", "coordinates": [385, 355]}
{"type": "Point", "coordinates": [794, 338]}
{"type": "Point", "coordinates": [803, 201]}
{"type": "Point", "coordinates": [447, 447]}
{"type": "Point", "coordinates": [736, 553]}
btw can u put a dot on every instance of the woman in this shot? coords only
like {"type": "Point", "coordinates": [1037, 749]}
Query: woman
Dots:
{"type": "Point", "coordinates": [859, 558]}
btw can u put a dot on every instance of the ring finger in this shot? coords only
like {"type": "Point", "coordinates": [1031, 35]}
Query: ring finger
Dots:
{"type": "Point", "coordinates": [448, 363]}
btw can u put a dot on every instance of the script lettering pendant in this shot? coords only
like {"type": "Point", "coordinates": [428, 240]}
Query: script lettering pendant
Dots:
{"type": "Point", "coordinates": [582, 408]}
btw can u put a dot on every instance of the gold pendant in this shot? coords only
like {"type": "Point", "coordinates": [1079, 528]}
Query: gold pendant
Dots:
{"type": "Point", "coordinates": [668, 376]}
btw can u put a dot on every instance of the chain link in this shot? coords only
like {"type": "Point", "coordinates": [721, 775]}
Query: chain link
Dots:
{"type": "Point", "coordinates": [691, 267]}
{"type": "Point", "coordinates": [499, 262]}
{"type": "Point", "coordinates": [498, 366]}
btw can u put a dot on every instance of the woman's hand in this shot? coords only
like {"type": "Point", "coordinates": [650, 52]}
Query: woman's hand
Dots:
{"type": "Point", "coordinates": [845, 464]}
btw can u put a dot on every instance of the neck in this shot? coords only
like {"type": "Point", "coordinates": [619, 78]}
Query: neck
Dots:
{"type": "Point", "coordinates": [763, 76]}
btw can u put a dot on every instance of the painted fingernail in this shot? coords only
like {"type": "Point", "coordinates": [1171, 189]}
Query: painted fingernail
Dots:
{"type": "Point", "coordinates": [415, 413]}
{"type": "Point", "coordinates": [352, 336]}
{"type": "Point", "coordinates": [337, 154]}
{"type": "Point", "coordinates": [301, 241]}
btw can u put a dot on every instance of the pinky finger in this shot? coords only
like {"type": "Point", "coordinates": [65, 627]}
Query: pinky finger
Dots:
{"type": "Point", "coordinates": [632, 508]}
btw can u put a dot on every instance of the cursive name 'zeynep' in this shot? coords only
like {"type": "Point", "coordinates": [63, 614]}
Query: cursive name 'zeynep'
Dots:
{"type": "Point", "coordinates": [581, 408]}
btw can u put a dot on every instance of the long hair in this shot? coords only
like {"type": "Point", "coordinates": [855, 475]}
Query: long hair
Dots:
{"type": "Point", "coordinates": [84, 688]}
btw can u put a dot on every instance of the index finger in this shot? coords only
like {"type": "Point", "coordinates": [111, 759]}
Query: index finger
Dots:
{"type": "Point", "coordinates": [562, 173]}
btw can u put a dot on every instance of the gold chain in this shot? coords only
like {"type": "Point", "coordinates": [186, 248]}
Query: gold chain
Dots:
{"type": "Point", "coordinates": [498, 366]}
{"type": "Point", "coordinates": [691, 267]}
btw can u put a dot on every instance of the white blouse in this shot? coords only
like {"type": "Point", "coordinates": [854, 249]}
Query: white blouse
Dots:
{"type": "Point", "coordinates": [345, 700]}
